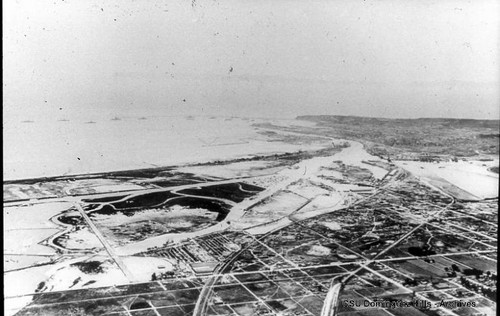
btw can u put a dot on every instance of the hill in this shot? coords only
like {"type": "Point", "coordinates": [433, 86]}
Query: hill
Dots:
{"type": "Point", "coordinates": [439, 136]}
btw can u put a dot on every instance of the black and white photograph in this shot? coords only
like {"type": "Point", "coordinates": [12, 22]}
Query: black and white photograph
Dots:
{"type": "Point", "coordinates": [250, 157]}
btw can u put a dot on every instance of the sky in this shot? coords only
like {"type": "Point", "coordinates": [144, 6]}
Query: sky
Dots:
{"type": "Point", "coordinates": [281, 58]}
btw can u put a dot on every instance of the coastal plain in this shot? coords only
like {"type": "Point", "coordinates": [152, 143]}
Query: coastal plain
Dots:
{"type": "Point", "coordinates": [259, 221]}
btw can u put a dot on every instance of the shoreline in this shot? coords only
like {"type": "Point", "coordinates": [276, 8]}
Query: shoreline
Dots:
{"type": "Point", "coordinates": [123, 172]}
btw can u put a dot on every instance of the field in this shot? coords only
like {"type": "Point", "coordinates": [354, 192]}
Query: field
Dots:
{"type": "Point", "coordinates": [260, 234]}
{"type": "Point", "coordinates": [272, 209]}
{"type": "Point", "coordinates": [451, 137]}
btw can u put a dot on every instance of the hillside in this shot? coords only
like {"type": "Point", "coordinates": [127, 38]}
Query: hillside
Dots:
{"type": "Point", "coordinates": [440, 136]}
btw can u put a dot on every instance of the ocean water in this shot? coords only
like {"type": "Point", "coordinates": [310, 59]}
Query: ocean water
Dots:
{"type": "Point", "coordinates": [40, 147]}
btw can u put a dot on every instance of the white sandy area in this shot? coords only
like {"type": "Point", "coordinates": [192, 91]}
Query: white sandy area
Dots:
{"type": "Point", "coordinates": [265, 181]}
{"type": "Point", "coordinates": [305, 169]}
{"type": "Point", "coordinates": [284, 178]}
{"type": "Point", "coordinates": [472, 177]}
{"type": "Point", "coordinates": [331, 225]}
{"type": "Point", "coordinates": [33, 216]}
{"type": "Point", "coordinates": [332, 173]}
{"type": "Point", "coordinates": [307, 189]}
{"type": "Point", "coordinates": [159, 241]}
{"type": "Point", "coordinates": [128, 144]}
{"type": "Point", "coordinates": [318, 250]}
{"type": "Point", "coordinates": [117, 187]}
{"type": "Point", "coordinates": [340, 187]}
{"type": "Point", "coordinates": [281, 205]}
{"type": "Point", "coordinates": [13, 262]}
{"type": "Point", "coordinates": [63, 276]}
{"type": "Point", "coordinates": [309, 169]}
{"type": "Point", "coordinates": [268, 227]}
{"type": "Point", "coordinates": [487, 310]}
{"type": "Point", "coordinates": [290, 122]}
{"type": "Point", "coordinates": [157, 145]}
{"type": "Point", "coordinates": [143, 267]}
{"type": "Point", "coordinates": [355, 154]}
{"type": "Point", "coordinates": [234, 170]}
{"type": "Point", "coordinates": [26, 241]}
{"type": "Point", "coordinates": [82, 239]}
{"type": "Point", "coordinates": [13, 305]}
{"type": "Point", "coordinates": [322, 205]}
{"type": "Point", "coordinates": [333, 199]}
{"type": "Point", "coordinates": [283, 202]}
{"type": "Point", "coordinates": [158, 215]}
{"type": "Point", "coordinates": [20, 283]}
{"type": "Point", "coordinates": [24, 281]}
{"type": "Point", "coordinates": [100, 185]}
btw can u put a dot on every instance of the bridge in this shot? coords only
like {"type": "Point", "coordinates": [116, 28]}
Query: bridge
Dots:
{"type": "Point", "coordinates": [330, 305]}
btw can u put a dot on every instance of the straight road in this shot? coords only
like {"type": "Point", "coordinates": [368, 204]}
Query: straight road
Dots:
{"type": "Point", "coordinates": [106, 245]}
{"type": "Point", "coordinates": [128, 193]}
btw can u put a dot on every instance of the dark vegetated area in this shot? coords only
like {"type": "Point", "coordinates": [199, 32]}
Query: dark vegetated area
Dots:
{"type": "Point", "coordinates": [165, 176]}
{"type": "Point", "coordinates": [136, 288]}
{"type": "Point", "coordinates": [250, 187]}
{"type": "Point", "coordinates": [277, 305]}
{"type": "Point", "coordinates": [213, 206]}
{"type": "Point", "coordinates": [140, 305]}
{"type": "Point", "coordinates": [104, 199]}
{"type": "Point", "coordinates": [43, 179]}
{"type": "Point", "coordinates": [90, 207]}
{"type": "Point", "coordinates": [139, 173]}
{"type": "Point", "coordinates": [144, 200]}
{"type": "Point", "coordinates": [79, 308]}
{"type": "Point", "coordinates": [75, 220]}
{"type": "Point", "coordinates": [61, 240]}
{"type": "Point", "coordinates": [421, 251]}
{"type": "Point", "coordinates": [178, 285]}
{"type": "Point", "coordinates": [293, 158]}
{"type": "Point", "coordinates": [74, 295]}
{"type": "Point", "coordinates": [171, 179]}
{"type": "Point", "coordinates": [49, 298]}
{"type": "Point", "coordinates": [360, 120]}
{"type": "Point", "coordinates": [489, 135]}
{"type": "Point", "coordinates": [89, 267]}
{"type": "Point", "coordinates": [250, 277]}
{"type": "Point", "coordinates": [458, 137]}
{"type": "Point", "coordinates": [97, 301]}
{"type": "Point", "coordinates": [171, 311]}
{"type": "Point", "coordinates": [229, 191]}
{"type": "Point", "coordinates": [325, 270]}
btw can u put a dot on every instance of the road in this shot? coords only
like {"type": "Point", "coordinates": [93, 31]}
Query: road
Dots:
{"type": "Point", "coordinates": [106, 245]}
{"type": "Point", "coordinates": [331, 301]}
{"type": "Point", "coordinates": [330, 304]}
{"type": "Point", "coordinates": [128, 193]}
{"type": "Point", "coordinates": [305, 169]}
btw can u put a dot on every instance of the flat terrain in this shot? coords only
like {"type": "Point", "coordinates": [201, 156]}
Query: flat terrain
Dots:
{"type": "Point", "coordinates": [142, 143]}
{"type": "Point", "coordinates": [265, 234]}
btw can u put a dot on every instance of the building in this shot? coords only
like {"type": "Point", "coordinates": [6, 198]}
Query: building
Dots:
{"type": "Point", "coordinates": [204, 268]}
